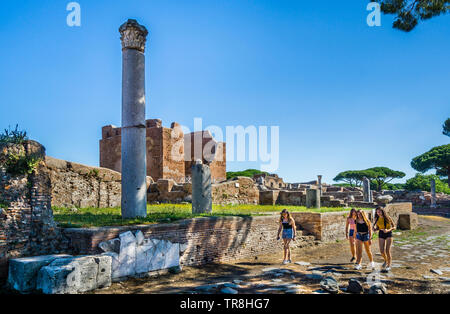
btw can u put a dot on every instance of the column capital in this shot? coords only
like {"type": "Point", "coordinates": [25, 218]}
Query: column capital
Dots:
{"type": "Point", "coordinates": [133, 35]}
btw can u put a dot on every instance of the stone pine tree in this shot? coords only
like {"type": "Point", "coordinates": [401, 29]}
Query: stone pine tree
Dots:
{"type": "Point", "coordinates": [410, 12]}
{"type": "Point", "coordinates": [446, 127]}
{"type": "Point", "coordinates": [383, 175]}
{"type": "Point", "coordinates": [437, 158]}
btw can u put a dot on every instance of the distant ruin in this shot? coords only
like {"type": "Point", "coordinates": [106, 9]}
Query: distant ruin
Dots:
{"type": "Point", "coordinates": [170, 152]}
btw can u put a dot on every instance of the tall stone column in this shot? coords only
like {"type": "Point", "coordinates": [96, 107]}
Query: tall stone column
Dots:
{"type": "Point", "coordinates": [366, 190]}
{"type": "Point", "coordinates": [201, 188]}
{"type": "Point", "coordinates": [433, 193]}
{"type": "Point", "coordinates": [134, 168]}
{"type": "Point", "coordinates": [319, 181]}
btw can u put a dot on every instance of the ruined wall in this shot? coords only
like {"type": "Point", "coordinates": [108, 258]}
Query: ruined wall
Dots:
{"type": "Point", "coordinates": [82, 186]}
{"type": "Point", "coordinates": [271, 181]}
{"type": "Point", "coordinates": [241, 190]}
{"type": "Point", "coordinates": [208, 146]}
{"type": "Point", "coordinates": [27, 227]}
{"type": "Point", "coordinates": [207, 239]}
{"type": "Point", "coordinates": [169, 152]}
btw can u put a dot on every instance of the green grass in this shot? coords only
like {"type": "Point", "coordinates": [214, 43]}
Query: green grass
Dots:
{"type": "Point", "coordinates": [166, 213]}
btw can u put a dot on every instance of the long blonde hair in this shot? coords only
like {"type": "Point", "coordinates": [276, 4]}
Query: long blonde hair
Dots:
{"type": "Point", "coordinates": [363, 215]}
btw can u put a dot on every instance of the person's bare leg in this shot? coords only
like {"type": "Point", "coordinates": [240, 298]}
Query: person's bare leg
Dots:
{"type": "Point", "coordinates": [352, 246]}
{"type": "Point", "coordinates": [388, 251]}
{"type": "Point", "coordinates": [288, 249]}
{"type": "Point", "coordinates": [358, 252]}
{"type": "Point", "coordinates": [284, 249]}
{"type": "Point", "coordinates": [368, 250]}
{"type": "Point", "coordinates": [382, 245]}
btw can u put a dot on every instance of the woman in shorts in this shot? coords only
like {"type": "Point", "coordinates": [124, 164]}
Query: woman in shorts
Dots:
{"type": "Point", "coordinates": [385, 225]}
{"type": "Point", "coordinates": [287, 226]}
{"type": "Point", "coordinates": [350, 232]}
{"type": "Point", "coordinates": [363, 238]}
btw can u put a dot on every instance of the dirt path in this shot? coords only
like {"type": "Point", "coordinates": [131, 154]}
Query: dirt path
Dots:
{"type": "Point", "coordinates": [415, 253]}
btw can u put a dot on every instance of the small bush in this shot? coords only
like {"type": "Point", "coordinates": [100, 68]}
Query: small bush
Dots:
{"type": "Point", "coordinates": [15, 136]}
{"type": "Point", "coordinates": [21, 164]}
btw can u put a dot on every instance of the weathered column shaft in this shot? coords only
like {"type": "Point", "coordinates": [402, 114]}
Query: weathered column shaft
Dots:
{"type": "Point", "coordinates": [366, 190]}
{"type": "Point", "coordinates": [134, 167]}
{"type": "Point", "coordinates": [312, 198]}
{"type": "Point", "coordinates": [319, 181]}
{"type": "Point", "coordinates": [433, 193]}
{"type": "Point", "coordinates": [201, 188]}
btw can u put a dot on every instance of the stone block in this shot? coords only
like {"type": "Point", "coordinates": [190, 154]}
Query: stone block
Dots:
{"type": "Point", "coordinates": [408, 221]}
{"type": "Point", "coordinates": [23, 271]}
{"type": "Point", "coordinates": [75, 275]}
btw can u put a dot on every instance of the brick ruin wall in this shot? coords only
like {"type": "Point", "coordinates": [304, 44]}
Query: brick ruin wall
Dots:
{"type": "Point", "coordinates": [218, 166]}
{"type": "Point", "coordinates": [169, 153]}
{"type": "Point", "coordinates": [26, 219]}
{"type": "Point", "coordinates": [208, 239]}
{"type": "Point", "coordinates": [224, 239]}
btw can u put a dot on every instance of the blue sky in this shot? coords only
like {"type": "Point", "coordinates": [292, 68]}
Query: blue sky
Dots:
{"type": "Point", "coordinates": [345, 95]}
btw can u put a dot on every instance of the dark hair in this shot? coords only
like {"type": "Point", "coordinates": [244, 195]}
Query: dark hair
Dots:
{"type": "Point", "coordinates": [351, 213]}
{"type": "Point", "coordinates": [386, 217]}
{"type": "Point", "coordinates": [285, 211]}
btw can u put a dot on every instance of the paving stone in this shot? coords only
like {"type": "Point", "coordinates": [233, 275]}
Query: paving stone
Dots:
{"type": "Point", "coordinates": [227, 290]}
{"type": "Point", "coordinates": [232, 285]}
{"type": "Point", "coordinates": [302, 263]}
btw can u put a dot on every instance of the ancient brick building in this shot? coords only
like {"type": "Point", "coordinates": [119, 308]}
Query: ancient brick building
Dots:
{"type": "Point", "coordinates": [170, 153]}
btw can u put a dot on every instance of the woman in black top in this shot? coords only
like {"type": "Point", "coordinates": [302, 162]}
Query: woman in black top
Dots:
{"type": "Point", "coordinates": [287, 224]}
{"type": "Point", "coordinates": [363, 238]}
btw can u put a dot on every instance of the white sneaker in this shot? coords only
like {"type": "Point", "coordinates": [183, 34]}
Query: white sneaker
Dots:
{"type": "Point", "coordinates": [372, 265]}
{"type": "Point", "coordinates": [358, 267]}
{"type": "Point", "coordinates": [388, 268]}
{"type": "Point", "coordinates": [289, 261]}
{"type": "Point", "coordinates": [285, 262]}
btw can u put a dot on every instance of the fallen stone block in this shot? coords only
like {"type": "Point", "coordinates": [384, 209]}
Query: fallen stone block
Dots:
{"type": "Point", "coordinates": [408, 221]}
{"type": "Point", "coordinates": [75, 275]}
{"type": "Point", "coordinates": [23, 271]}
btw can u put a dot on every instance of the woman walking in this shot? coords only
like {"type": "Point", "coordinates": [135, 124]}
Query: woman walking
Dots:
{"type": "Point", "coordinates": [350, 232]}
{"type": "Point", "coordinates": [287, 225]}
{"type": "Point", "coordinates": [363, 238]}
{"type": "Point", "coordinates": [385, 225]}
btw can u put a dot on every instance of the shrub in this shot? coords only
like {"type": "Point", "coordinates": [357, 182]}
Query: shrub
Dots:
{"type": "Point", "coordinates": [21, 164]}
{"type": "Point", "coordinates": [15, 136]}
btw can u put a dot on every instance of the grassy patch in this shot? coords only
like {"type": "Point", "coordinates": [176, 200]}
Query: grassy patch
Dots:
{"type": "Point", "coordinates": [165, 213]}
